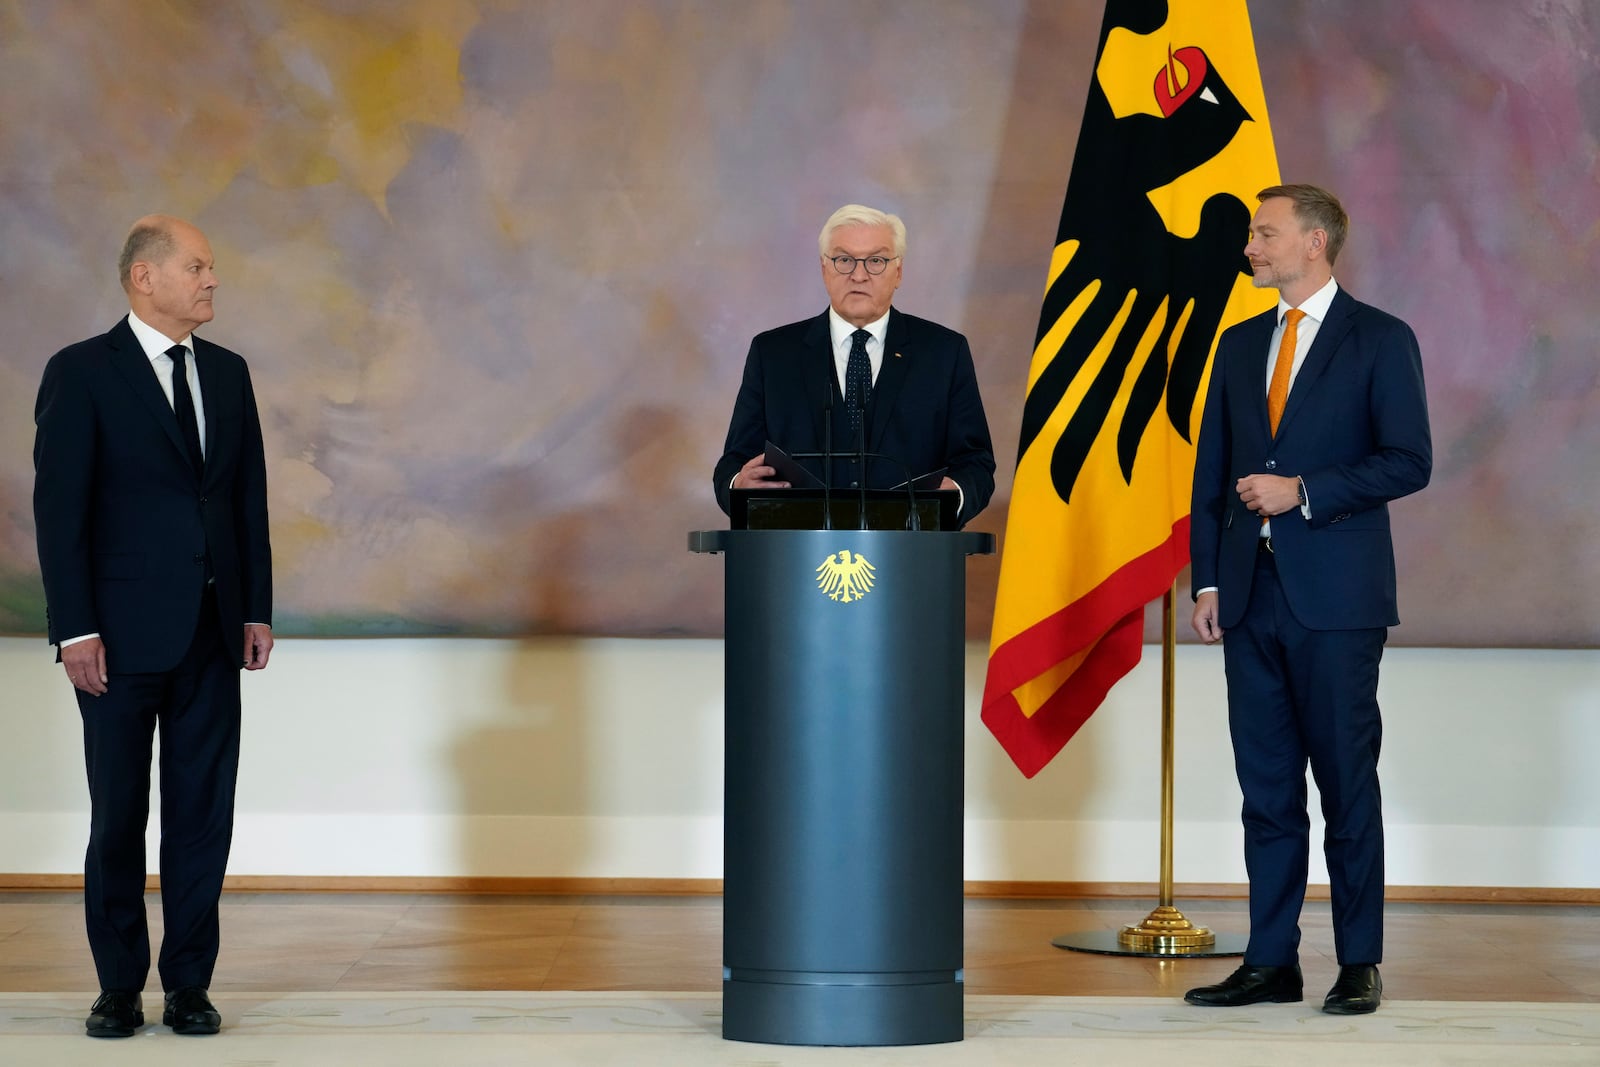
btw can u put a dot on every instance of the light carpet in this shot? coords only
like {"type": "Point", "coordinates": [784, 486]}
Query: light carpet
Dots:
{"type": "Point", "coordinates": [683, 1030]}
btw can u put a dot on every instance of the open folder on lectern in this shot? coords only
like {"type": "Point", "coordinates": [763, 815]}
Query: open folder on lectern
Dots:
{"type": "Point", "coordinates": [798, 476]}
{"type": "Point", "coordinates": [805, 503]}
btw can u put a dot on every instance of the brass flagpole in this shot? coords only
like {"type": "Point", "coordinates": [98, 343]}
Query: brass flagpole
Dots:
{"type": "Point", "coordinates": [1165, 931]}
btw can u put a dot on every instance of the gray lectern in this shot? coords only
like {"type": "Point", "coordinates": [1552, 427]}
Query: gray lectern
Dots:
{"type": "Point", "coordinates": [843, 796]}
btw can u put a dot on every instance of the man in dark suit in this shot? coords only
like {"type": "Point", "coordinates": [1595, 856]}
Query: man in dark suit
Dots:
{"type": "Point", "coordinates": [890, 383]}
{"type": "Point", "coordinates": [150, 503]}
{"type": "Point", "coordinates": [1315, 420]}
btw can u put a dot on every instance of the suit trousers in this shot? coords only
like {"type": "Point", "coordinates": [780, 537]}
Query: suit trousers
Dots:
{"type": "Point", "coordinates": [1299, 696]}
{"type": "Point", "coordinates": [195, 706]}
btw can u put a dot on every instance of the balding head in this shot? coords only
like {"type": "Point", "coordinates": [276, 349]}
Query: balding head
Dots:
{"type": "Point", "coordinates": [150, 241]}
{"type": "Point", "coordinates": [166, 270]}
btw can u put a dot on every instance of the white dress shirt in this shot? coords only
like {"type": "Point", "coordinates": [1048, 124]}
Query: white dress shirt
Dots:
{"type": "Point", "coordinates": [155, 345]}
{"type": "Point", "coordinates": [1315, 307]}
{"type": "Point", "coordinates": [842, 341]}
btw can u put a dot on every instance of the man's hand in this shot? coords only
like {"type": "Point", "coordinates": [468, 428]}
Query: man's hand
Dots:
{"type": "Point", "coordinates": [948, 483]}
{"type": "Point", "coordinates": [257, 645]}
{"type": "Point", "coordinates": [757, 475]}
{"type": "Point", "coordinates": [1204, 619]}
{"type": "Point", "coordinates": [1268, 494]}
{"type": "Point", "coordinates": [85, 662]}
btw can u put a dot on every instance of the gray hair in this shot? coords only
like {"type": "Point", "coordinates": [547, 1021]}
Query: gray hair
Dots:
{"type": "Point", "coordinates": [146, 241]}
{"type": "Point", "coordinates": [861, 215]}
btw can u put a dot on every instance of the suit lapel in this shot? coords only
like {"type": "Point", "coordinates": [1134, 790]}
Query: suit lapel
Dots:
{"type": "Point", "coordinates": [816, 372]}
{"type": "Point", "coordinates": [891, 377]}
{"type": "Point", "coordinates": [214, 397]}
{"type": "Point", "coordinates": [129, 358]}
{"type": "Point", "coordinates": [1329, 336]}
{"type": "Point", "coordinates": [1252, 372]}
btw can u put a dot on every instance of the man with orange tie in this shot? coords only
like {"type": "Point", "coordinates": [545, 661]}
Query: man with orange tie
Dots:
{"type": "Point", "coordinates": [1315, 420]}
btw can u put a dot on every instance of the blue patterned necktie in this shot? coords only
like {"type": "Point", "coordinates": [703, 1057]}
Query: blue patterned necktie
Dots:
{"type": "Point", "coordinates": [857, 379]}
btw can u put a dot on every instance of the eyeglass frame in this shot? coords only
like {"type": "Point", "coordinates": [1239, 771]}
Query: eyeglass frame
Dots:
{"type": "Point", "coordinates": [863, 260]}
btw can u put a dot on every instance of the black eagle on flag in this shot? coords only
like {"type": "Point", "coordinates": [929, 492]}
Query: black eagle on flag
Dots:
{"type": "Point", "coordinates": [1148, 268]}
{"type": "Point", "coordinates": [1125, 246]}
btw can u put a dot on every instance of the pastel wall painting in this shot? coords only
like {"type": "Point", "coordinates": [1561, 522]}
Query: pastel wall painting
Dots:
{"type": "Point", "coordinates": [496, 265]}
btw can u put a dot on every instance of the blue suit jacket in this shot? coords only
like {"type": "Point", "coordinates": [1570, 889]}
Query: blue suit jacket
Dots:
{"type": "Point", "coordinates": [925, 409]}
{"type": "Point", "coordinates": [1355, 429]}
{"type": "Point", "coordinates": [124, 524]}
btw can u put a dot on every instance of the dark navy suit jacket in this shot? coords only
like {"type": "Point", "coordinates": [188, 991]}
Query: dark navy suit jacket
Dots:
{"type": "Point", "coordinates": [925, 410]}
{"type": "Point", "coordinates": [124, 524]}
{"type": "Point", "coordinates": [1355, 429]}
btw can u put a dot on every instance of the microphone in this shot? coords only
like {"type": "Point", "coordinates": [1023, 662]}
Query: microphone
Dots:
{"type": "Point", "coordinates": [913, 519]}
{"type": "Point", "coordinates": [861, 455]}
{"type": "Point", "coordinates": [827, 460]}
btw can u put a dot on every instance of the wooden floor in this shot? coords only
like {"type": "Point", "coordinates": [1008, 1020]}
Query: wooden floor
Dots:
{"type": "Point", "coordinates": [380, 941]}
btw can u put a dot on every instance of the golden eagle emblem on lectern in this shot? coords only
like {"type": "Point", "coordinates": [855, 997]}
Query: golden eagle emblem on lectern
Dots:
{"type": "Point", "coordinates": [845, 576]}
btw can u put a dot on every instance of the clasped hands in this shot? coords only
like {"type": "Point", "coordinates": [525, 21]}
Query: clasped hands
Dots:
{"type": "Point", "coordinates": [1268, 494]}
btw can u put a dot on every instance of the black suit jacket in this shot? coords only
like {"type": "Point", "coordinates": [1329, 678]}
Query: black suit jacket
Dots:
{"type": "Point", "coordinates": [1355, 429]}
{"type": "Point", "coordinates": [124, 525]}
{"type": "Point", "coordinates": [926, 411]}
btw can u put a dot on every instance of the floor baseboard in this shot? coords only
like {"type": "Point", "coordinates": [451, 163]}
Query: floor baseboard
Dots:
{"type": "Point", "coordinates": [1006, 890]}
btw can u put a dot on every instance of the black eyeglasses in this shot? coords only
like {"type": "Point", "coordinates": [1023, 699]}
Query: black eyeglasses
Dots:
{"type": "Point", "coordinates": [874, 264]}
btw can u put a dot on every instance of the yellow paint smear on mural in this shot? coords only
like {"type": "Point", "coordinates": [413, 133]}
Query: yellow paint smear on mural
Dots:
{"type": "Point", "coordinates": [369, 81]}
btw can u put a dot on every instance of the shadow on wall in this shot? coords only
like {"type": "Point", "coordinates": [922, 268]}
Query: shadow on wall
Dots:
{"type": "Point", "coordinates": [531, 762]}
{"type": "Point", "coordinates": [535, 761]}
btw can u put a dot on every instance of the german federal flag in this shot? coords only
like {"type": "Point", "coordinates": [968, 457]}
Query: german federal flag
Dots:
{"type": "Point", "coordinates": [1148, 270]}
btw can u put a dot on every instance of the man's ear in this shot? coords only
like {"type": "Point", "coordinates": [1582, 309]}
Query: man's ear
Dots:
{"type": "Point", "coordinates": [139, 277]}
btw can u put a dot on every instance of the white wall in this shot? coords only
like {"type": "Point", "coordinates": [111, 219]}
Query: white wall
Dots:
{"type": "Point", "coordinates": [602, 758]}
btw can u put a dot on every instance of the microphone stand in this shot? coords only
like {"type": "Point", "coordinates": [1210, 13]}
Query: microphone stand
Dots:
{"type": "Point", "coordinates": [827, 461]}
{"type": "Point", "coordinates": [913, 520]}
{"type": "Point", "coordinates": [861, 457]}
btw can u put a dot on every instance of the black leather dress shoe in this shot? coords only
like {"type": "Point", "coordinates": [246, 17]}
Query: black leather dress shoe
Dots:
{"type": "Point", "coordinates": [1357, 992]}
{"type": "Point", "coordinates": [115, 1015]}
{"type": "Point", "coordinates": [190, 1011]}
{"type": "Point", "coordinates": [1251, 985]}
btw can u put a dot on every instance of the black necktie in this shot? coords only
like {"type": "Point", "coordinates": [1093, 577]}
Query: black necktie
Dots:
{"type": "Point", "coordinates": [183, 406]}
{"type": "Point", "coordinates": [857, 379]}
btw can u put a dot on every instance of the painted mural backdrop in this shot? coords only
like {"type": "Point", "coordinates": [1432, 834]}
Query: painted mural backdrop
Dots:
{"type": "Point", "coordinates": [496, 264]}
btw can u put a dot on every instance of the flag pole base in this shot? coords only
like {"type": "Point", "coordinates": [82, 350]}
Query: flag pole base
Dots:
{"type": "Point", "coordinates": [1164, 932]}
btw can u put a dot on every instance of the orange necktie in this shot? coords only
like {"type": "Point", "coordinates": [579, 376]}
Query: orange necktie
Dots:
{"type": "Point", "coordinates": [1278, 391]}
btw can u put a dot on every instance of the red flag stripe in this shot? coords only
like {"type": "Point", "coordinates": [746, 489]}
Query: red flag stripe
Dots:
{"type": "Point", "coordinates": [1032, 742]}
{"type": "Point", "coordinates": [1077, 625]}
